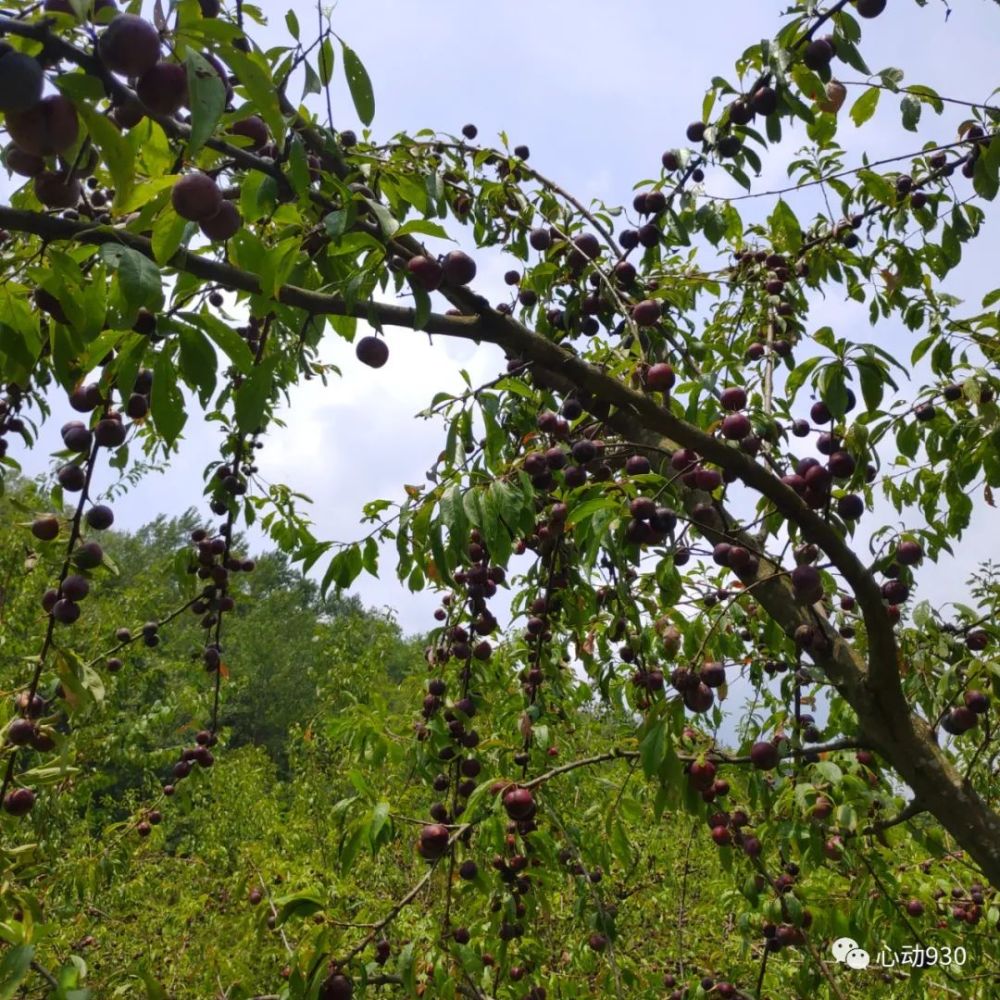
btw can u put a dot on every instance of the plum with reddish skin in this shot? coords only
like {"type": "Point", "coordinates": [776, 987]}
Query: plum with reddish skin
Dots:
{"type": "Point", "coordinates": [252, 128]}
{"type": "Point", "coordinates": [45, 529]}
{"type": "Point", "coordinates": [646, 313]}
{"type": "Point", "coordinates": [699, 698]}
{"type": "Point", "coordinates": [75, 587]}
{"type": "Point", "coordinates": [959, 720]}
{"type": "Point", "coordinates": [19, 802]}
{"type": "Point", "coordinates": [459, 268]}
{"type": "Point", "coordinates": [695, 132]}
{"type": "Point", "coordinates": [372, 351]}
{"type": "Point", "coordinates": [850, 507]}
{"type": "Point", "coordinates": [55, 189]}
{"type": "Point", "coordinates": [196, 197]}
{"type": "Point", "coordinates": [976, 701]}
{"type": "Point", "coordinates": [433, 842]}
{"type": "Point", "coordinates": [77, 436]}
{"type": "Point", "coordinates": [88, 556]}
{"type": "Point", "coordinates": [71, 478]}
{"type": "Point", "coordinates": [764, 101]}
{"type": "Point", "coordinates": [818, 54]}
{"type": "Point", "coordinates": [22, 163]}
{"type": "Point", "coordinates": [336, 987]}
{"type": "Point", "coordinates": [764, 755]}
{"type": "Point", "coordinates": [163, 88]}
{"type": "Point", "coordinates": [637, 465]}
{"type": "Point", "coordinates": [51, 126]}
{"type": "Point", "coordinates": [110, 433]}
{"type": "Point", "coordinates": [426, 271]}
{"type": "Point", "coordinates": [722, 836]}
{"type": "Point", "coordinates": [736, 426]}
{"type": "Point", "coordinates": [100, 517]}
{"type": "Point", "coordinates": [660, 377]}
{"type": "Point", "coordinates": [586, 247]}
{"type": "Point", "coordinates": [20, 732]}
{"type": "Point", "coordinates": [65, 612]}
{"type": "Point", "coordinates": [519, 803]}
{"type": "Point", "coordinates": [224, 224]}
{"type": "Point", "coordinates": [129, 45]}
{"type": "Point", "coordinates": [733, 397]}
{"type": "Point", "coordinates": [977, 640]}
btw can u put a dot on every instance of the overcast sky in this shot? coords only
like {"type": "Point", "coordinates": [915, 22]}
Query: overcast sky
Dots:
{"type": "Point", "coordinates": [597, 91]}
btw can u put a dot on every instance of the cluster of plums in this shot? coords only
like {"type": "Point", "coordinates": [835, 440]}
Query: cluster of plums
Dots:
{"type": "Point", "coordinates": [200, 754]}
{"type": "Point", "coordinates": [231, 478]}
{"type": "Point", "coordinates": [455, 268]}
{"type": "Point", "coordinates": [213, 564]}
{"type": "Point", "coordinates": [965, 905]}
{"type": "Point", "coordinates": [467, 644]}
{"type": "Point", "coordinates": [23, 731]}
{"type": "Point", "coordinates": [198, 198]}
{"type": "Point", "coordinates": [109, 431]}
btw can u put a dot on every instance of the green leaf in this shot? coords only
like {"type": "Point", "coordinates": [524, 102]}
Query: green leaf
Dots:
{"type": "Point", "coordinates": [169, 233]}
{"type": "Point", "coordinates": [829, 770]}
{"type": "Point", "coordinates": [986, 178]}
{"type": "Point", "coordinates": [359, 83]}
{"type": "Point", "coordinates": [255, 77]}
{"type": "Point", "coordinates": [908, 439]}
{"type": "Point", "coordinates": [154, 991]}
{"type": "Point", "coordinates": [785, 224]}
{"type": "Point", "coordinates": [588, 508]}
{"type": "Point", "coordinates": [336, 223]}
{"type": "Point", "coordinates": [495, 529]}
{"type": "Point", "coordinates": [226, 338]}
{"type": "Point", "coordinates": [14, 968]}
{"type": "Point", "coordinates": [423, 226]}
{"type": "Point", "coordinates": [387, 223]}
{"type": "Point", "coordinates": [326, 63]}
{"type": "Point", "coordinates": [116, 151]}
{"type": "Point", "coordinates": [877, 186]}
{"type": "Point", "coordinates": [138, 277]}
{"type": "Point", "coordinates": [864, 107]}
{"type": "Point", "coordinates": [799, 374]}
{"type": "Point", "coordinates": [380, 815]}
{"type": "Point", "coordinates": [911, 109]}
{"type": "Point", "coordinates": [47, 775]}
{"type": "Point", "coordinates": [207, 99]}
{"type": "Point", "coordinates": [345, 567]}
{"type": "Point", "coordinates": [422, 306]}
{"type": "Point", "coordinates": [652, 747]}
{"type": "Point", "coordinates": [301, 904]}
{"type": "Point", "coordinates": [253, 396]}
{"type": "Point", "coordinates": [166, 404]}
{"type": "Point", "coordinates": [198, 362]}
{"type": "Point", "coordinates": [872, 383]}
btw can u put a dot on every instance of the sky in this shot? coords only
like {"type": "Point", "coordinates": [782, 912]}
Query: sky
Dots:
{"type": "Point", "coordinates": [597, 91]}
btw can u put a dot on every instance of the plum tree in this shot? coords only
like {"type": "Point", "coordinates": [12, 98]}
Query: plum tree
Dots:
{"type": "Point", "coordinates": [673, 476]}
